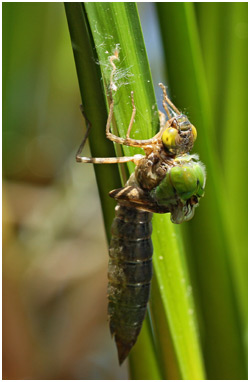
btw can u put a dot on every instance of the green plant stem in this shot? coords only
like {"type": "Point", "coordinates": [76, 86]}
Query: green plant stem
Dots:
{"type": "Point", "coordinates": [220, 319]}
{"type": "Point", "coordinates": [89, 78]}
{"type": "Point", "coordinates": [113, 25]}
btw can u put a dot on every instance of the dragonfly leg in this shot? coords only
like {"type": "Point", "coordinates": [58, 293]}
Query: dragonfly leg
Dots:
{"type": "Point", "coordinates": [109, 135]}
{"type": "Point", "coordinates": [162, 118]}
{"type": "Point", "coordinates": [114, 138]}
{"type": "Point", "coordinates": [135, 158]}
{"type": "Point", "coordinates": [129, 141]}
{"type": "Point", "coordinates": [79, 158]}
{"type": "Point", "coordinates": [123, 141]}
{"type": "Point", "coordinates": [88, 126]}
{"type": "Point", "coordinates": [112, 86]}
{"type": "Point", "coordinates": [132, 119]}
{"type": "Point", "coordinates": [166, 101]}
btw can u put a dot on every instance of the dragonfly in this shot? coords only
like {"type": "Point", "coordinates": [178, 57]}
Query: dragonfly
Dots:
{"type": "Point", "coordinates": [166, 179]}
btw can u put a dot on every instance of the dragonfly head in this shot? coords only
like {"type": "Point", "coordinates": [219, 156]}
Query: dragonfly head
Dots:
{"type": "Point", "coordinates": [179, 135]}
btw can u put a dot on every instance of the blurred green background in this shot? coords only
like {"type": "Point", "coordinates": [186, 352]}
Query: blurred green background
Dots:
{"type": "Point", "coordinates": [54, 247]}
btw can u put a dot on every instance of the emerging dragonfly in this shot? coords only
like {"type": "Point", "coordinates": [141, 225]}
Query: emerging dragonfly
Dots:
{"type": "Point", "coordinates": [166, 179]}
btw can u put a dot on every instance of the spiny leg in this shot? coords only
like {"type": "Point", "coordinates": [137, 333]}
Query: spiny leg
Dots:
{"type": "Point", "coordinates": [162, 118]}
{"type": "Point", "coordinates": [166, 102]}
{"type": "Point", "coordinates": [112, 86]}
{"type": "Point", "coordinates": [81, 159]}
{"type": "Point", "coordinates": [111, 59]}
{"type": "Point", "coordinates": [114, 138]}
{"type": "Point", "coordinates": [128, 141]}
{"type": "Point", "coordinates": [88, 126]}
{"type": "Point", "coordinates": [122, 141]}
{"type": "Point", "coordinates": [110, 160]}
{"type": "Point", "coordinates": [132, 119]}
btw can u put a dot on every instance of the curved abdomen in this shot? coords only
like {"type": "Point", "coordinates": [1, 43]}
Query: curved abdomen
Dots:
{"type": "Point", "coordinates": [129, 274]}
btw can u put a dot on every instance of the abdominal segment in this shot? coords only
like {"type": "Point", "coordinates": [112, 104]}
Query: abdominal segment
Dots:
{"type": "Point", "coordinates": [129, 274]}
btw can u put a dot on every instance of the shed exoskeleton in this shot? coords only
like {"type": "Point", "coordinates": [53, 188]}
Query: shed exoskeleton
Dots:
{"type": "Point", "coordinates": [166, 180]}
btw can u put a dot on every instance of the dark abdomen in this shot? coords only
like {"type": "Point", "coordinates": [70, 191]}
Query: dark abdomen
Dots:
{"type": "Point", "coordinates": [129, 274]}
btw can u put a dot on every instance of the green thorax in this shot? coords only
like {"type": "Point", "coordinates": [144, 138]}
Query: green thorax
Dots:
{"type": "Point", "coordinates": [182, 187]}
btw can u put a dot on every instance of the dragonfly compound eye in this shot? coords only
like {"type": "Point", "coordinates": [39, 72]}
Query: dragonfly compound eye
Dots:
{"type": "Point", "coordinates": [194, 131]}
{"type": "Point", "coordinates": [169, 139]}
{"type": "Point", "coordinates": [180, 136]}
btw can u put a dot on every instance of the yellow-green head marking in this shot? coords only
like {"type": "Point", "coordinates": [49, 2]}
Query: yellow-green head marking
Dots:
{"type": "Point", "coordinates": [179, 136]}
